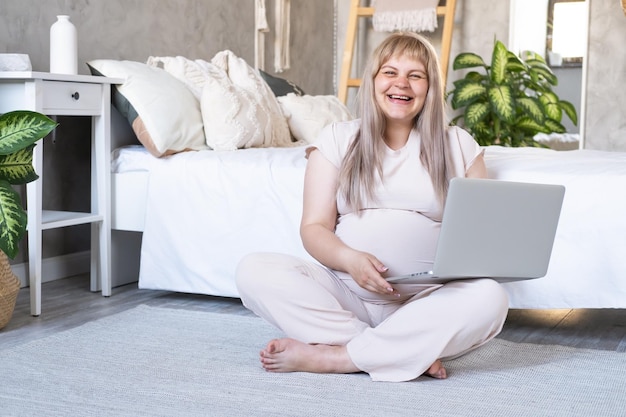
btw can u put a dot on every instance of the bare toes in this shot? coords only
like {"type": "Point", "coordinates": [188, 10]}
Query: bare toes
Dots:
{"type": "Point", "coordinates": [437, 371]}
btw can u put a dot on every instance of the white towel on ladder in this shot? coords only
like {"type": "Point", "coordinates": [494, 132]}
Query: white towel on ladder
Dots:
{"type": "Point", "coordinates": [409, 15]}
{"type": "Point", "coordinates": [281, 40]}
{"type": "Point", "coordinates": [261, 27]}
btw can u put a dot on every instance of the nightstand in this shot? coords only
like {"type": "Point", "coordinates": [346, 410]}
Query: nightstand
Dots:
{"type": "Point", "coordinates": [67, 95]}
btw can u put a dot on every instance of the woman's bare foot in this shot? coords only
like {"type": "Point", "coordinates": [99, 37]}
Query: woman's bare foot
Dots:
{"type": "Point", "coordinates": [437, 370]}
{"type": "Point", "coordinates": [289, 355]}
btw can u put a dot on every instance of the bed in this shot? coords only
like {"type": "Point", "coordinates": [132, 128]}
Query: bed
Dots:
{"type": "Point", "coordinates": [181, 222]}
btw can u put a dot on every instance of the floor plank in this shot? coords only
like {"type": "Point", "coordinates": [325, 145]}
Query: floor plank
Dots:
{"type": "Point", "coordinates": [584, 328]}
{"type": "Point", "coordinates": [68, 303]}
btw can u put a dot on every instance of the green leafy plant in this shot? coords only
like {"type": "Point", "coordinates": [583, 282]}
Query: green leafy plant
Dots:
{"type": "Point", "coordinates": [509, 101]}
{"type": "Point", "coordinates": [19, 130]}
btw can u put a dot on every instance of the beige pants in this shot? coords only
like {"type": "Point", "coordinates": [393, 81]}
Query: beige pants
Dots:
{"type": "Point", "coordinates": [391, 341]}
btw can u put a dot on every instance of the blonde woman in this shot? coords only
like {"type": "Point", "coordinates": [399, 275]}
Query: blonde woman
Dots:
{"type": "Point", "coordinates": [374, 193]}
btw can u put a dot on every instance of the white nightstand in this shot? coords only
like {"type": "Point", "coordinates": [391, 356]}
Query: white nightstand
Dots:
{"type": "Point", "coordinates": [67, 95]}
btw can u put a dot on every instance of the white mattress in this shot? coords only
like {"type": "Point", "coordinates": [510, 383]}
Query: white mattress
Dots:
{"type": "Point", "coordinates": [131, 158]}
{"type": "Point", "coordinates": [130, 170]}
{"type": "Point", "coordinates": [204, 210]}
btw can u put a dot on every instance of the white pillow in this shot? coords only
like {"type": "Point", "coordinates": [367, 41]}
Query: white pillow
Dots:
{"type": "Point", "coordinates": [191, 73]}
{"type": "Point", "coordinates": [238, 108]}
{"type": "Point", "coordinates": [162, 111]}
{"type": "Point", "coordinates": [232, 118]}
{"type": "Point", "coordinates": [307, 114]}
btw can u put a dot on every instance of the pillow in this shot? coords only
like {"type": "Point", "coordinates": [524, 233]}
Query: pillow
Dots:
{"type": "Point", "coordinates": [163, 113]}
{"type": "Point", "coordinates": [307, 115]}
{"type": "Point", "coordinates": [280, 86]}
{"type": "Point", "coordinates": [238, 108]}
{"type": "Point", "coordinates": [192, 73]}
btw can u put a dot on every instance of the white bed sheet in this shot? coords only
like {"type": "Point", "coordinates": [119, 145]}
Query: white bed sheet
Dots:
{"type": "Point", "coordinates": [588, 264]}
{"type": "Point", "coordinates": [205, 210]}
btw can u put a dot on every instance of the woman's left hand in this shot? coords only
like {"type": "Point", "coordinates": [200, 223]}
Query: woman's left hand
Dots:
{"type": "Point", "coordinates": [366, 270]}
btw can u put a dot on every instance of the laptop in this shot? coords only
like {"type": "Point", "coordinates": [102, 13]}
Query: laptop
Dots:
{"type": "Point", "coordinates": [496, 229]}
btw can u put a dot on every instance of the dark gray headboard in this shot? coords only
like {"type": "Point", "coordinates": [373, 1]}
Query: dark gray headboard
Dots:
{"type": "Point", "coordinates": [121, 132]}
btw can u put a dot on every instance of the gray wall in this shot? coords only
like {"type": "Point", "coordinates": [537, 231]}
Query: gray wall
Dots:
{"type": "Point", "coordinates": [134, 30]}
{"type": "Point", "coordinates": [606, 77]}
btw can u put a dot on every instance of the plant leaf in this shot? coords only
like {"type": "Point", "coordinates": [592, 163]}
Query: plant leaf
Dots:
{"type": "Point", "coordinates": [554, 126]}
{"type": "Point", "coordinates": [21, 128]}
{"type": "Point", "coordinates": [499, 60]}
{"type": "Point", "coordinates": [544, 73]}
{"type": "Point", "coordinates": [467, 93]}
{"type": "Point", "coordinates": [537, 62]}
{"type": "Point", "coordinates": [17, 168]}
{"type": "Point", "coordinates": [475, 113]}
{"type": "Point", "coordinates": [551, 106]}
{"type": "Point", "coordinates": [532, 108]}
{"type": "Point", "coordinates": [476, 77]}
{"type": "Point", "coordinates": [13, 220]}
{"type": "Point", "coordinates": [483, 134]}
{"type": "Point", "coordinates": [468, 60]}
{"type": "Point", "coordinates": [515, 66]}
{"type": "Point", "coordinates": [570, 110]}
{"type": "Point", "coordinates": [502, 102]}
{"type": "Point", "coordinates": [532, 56]}
{"type": "Point", "coordinates": [529, 125]}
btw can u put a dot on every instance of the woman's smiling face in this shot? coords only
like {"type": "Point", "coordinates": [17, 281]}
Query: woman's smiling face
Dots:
{"type": "Point", "coordinates": [400, 88]}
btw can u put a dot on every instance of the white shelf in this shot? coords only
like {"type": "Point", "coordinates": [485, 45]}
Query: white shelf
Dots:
{"type": "Point", "coordinates": [54, 219]}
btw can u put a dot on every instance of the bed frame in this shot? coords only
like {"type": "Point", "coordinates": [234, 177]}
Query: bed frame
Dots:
{"type": "Point", "coordinates": [126, 220]}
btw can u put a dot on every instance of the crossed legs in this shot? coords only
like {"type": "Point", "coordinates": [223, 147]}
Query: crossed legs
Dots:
{"type": "Point", "coordinates": [329, 329]}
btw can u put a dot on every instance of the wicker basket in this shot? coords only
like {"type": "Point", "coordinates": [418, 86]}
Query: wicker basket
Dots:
{"type": "Point", "coordinates": [9, 287]}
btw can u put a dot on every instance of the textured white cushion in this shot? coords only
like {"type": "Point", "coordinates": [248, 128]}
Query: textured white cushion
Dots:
{"type": "Point", "coordinates": [307, 115]}
{"type": "Point", "coordinates": [238, 108]}
{"type": "Point", "coordinates": [232, 118]}
{"type": "Point", "coordinates": [162, 111]}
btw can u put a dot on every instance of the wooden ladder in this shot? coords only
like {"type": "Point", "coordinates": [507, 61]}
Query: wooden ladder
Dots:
{"type": "Point", "coordinates": [356, 11]}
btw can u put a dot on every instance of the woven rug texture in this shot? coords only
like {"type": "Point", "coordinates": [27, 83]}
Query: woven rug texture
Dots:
{"type": "Point", "coordinates": [153, 361]}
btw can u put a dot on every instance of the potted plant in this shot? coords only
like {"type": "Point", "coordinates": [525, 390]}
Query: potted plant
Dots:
{"type": "Point", "coordinates": [19, 130]}
{"type": "Point", "coordinates": [509, 101]}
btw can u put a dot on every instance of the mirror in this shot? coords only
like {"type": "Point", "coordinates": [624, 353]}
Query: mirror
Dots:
{"type": "Point", "coordinates": [557, 30]}
{"type": "Point", "coordinates": [565, 41]}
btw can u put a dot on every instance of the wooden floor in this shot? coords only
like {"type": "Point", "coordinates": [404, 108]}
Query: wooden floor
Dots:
{"type": "Point", "coordinates": [68, 303]}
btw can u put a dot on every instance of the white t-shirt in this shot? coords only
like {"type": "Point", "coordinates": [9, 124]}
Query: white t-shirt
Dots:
{"type": "Point", "coordinates": [401, 227]}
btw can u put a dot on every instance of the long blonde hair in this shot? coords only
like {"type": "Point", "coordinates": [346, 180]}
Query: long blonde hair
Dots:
{"type": "Point", "coordinates": [362, 165]}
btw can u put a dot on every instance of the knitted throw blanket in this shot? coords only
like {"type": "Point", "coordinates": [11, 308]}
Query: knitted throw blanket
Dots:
{"type": "Point", "coordinates": [405, 15]}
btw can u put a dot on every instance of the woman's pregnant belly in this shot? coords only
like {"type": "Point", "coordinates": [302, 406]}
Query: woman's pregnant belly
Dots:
{"type": "Point", "coordinates": [405, 241]}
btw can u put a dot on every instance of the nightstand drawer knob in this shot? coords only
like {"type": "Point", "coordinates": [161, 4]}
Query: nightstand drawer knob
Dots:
{"type": "Point", "coordinates": [76, 96]}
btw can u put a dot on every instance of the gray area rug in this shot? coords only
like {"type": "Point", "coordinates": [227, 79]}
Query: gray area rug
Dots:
{"type": "Point", "coordinates": [152, 361]}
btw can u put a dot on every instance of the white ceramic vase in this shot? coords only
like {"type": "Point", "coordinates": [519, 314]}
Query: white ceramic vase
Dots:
{"type": "Point", "coordinates": [63, 46]}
